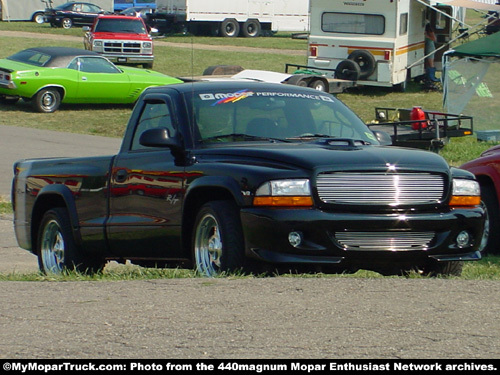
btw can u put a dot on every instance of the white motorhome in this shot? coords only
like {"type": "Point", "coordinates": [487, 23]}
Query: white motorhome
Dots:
{"type": "Point", "coordinates": [229, 18]}
{"type": "Point", "coordinates": [375, 42]}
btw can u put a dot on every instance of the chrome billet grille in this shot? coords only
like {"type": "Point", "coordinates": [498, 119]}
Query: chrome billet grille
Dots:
{"type": "Point", "coordinates": [119, 47]}
{"type": "Point", "coordinates": [380, 188]}
{"type": "Point", "coordinates": [384, 241]}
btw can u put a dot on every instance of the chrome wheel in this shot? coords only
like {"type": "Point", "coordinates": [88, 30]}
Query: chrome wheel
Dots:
{"type": "Point", "coordinates": [208, 246]}
{"type": "Point", "coordinates": [67, 23]}
{"type": "Point", "coordinates": [47, 100]}
{"type": "Point", "coordinates": [52, 248]}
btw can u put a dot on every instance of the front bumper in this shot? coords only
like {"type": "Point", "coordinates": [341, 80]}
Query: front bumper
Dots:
{"type": "Point", "coordinates": [267, 231]}
{"type": "Point", "coordinates": [129, 59]}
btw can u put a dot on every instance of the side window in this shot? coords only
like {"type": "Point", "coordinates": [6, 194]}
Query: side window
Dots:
{"type": "Point", "coordinates": [403, 24]}
{"type": "Point", "coordinates": [156, 114]}
{"type": "Point", "coordinates": [96, 65]}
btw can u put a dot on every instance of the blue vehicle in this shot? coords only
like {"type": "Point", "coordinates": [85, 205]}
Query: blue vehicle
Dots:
{"type": "Point", "coordinates": [124, 4]}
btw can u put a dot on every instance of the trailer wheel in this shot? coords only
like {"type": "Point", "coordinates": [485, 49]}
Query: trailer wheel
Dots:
{"type": "Point", "coordinates": [365, 60]}
{"type": "Point", "coordinates": [229, 28]}
{"type": "Point", "coordinates": [251, 28]}
{"type": "Point", "coordinates": [348, 69]}
{"type": "Point", "coordinates": [319, 84]}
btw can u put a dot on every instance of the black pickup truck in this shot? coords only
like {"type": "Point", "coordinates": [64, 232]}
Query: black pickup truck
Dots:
{"type": "Point", "coordinates": [224, 176]}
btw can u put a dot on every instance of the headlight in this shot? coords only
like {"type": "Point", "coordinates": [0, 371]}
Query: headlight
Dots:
{"type": "Point", "coordinates": [147, 45]}
{"type": "Point", "coordinates": [284, 193]}
{"type": "Point", "coordinates": [465, 193]}
{"type": "Point", "coordinates": [97, 43]}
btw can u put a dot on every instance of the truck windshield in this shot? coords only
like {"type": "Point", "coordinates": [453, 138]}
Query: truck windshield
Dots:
{"type": "Point", "coordinates": [111, 25]}
{"type": "Point", "coordinates": [249, 115]}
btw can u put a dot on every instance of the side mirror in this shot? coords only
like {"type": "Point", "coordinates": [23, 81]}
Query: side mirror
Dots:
{"type": "Point", "coordinates": [383, 137]}
{"type": "Point", "coordinates": [159, 137]}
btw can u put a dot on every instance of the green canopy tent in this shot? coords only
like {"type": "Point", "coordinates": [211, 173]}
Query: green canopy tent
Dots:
{"type": "Point", "coordinates": [488, 46]}
{"type": "Point", "coordinates": [472, 81]}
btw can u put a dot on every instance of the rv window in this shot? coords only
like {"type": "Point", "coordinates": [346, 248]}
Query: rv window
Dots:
{"type": "Point", "coordinates": [403, 24]}
{"type": "Point", "coordinates": [351, 23]}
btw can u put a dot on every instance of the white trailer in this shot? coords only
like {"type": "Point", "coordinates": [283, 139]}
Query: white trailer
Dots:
{"type": "Point", "coordinates": [375, 42]}
{"type": "Point", "coordinates": [230, 18]}
{"type": "Point", "coordinates": [32, 10]}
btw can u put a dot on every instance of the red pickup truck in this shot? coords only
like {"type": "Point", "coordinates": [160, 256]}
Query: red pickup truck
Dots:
{"type": "Point", "coordinates": [122, 39]}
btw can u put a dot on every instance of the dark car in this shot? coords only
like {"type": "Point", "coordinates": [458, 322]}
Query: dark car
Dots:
{"type": "Point", "coordinates": [74, 13]}
{"type": "Point", "coordinates": [486, 168]}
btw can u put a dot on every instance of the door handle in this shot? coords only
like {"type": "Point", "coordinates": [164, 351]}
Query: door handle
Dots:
{"type": "Point", "coordinates": [121, 175]}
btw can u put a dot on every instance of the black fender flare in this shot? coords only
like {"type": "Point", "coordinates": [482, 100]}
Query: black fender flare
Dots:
{"type": "Point", "coordinates": [45, 200]}
{"type": "Point", "coordinates": [228, 184]}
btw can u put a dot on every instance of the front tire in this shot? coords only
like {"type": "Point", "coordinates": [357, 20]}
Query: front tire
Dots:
{"type": "Point", "coordinates": [217, 243]}
{"type": "Point", "coordinates": [56, 248]}
{"type": "Point", "coordinates": [47, 100]}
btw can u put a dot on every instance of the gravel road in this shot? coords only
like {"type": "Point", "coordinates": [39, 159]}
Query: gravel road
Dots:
{"type": "Point", "coordinates": [275, 317]}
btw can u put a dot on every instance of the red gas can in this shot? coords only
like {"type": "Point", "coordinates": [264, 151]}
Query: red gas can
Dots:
{"type": "Point", "coordinates": [418, 114]}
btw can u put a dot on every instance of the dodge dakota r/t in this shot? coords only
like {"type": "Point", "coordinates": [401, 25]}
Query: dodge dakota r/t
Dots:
{"type": "Point", "coordinates": [225, 176]}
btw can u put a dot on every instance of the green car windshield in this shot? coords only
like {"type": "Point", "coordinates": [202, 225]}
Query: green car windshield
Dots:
{"type": "Point", "coordinates": [288, 116]}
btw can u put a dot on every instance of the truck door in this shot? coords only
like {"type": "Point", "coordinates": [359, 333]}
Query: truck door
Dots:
{"type": "Point", "coordinates": [147, 190]}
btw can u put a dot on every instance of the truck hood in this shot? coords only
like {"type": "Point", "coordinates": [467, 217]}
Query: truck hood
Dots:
{"type": "Point", "coordinates": [317, 156]}
{"type": "Point", "coordinates": [122, 36]}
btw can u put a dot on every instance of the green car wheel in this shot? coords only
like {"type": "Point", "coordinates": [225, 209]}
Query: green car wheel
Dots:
{"type": "Point", "coordinates": [47, 100]}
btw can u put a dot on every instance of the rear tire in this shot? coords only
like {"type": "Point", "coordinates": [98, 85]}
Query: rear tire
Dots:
{"type": "Point", "coordinates": [251, 28]}
{"type": "Point", "coordinates": [56, 248]}
{"type": "Point", "coordinates": [47, 100]}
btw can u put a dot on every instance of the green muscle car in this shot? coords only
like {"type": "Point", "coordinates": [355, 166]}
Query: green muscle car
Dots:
{"type": "Point", "coordinates": [49, 76]}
